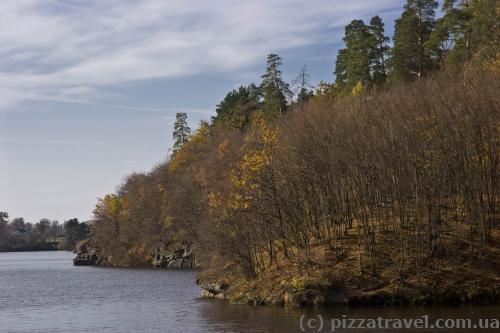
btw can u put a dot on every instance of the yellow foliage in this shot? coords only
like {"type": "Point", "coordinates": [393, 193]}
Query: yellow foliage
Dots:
{"type": "Point", "coordinates": [181, 158]}
{"type": "Point", "coordinates": [298, 282]}
{"type": "Point", "coordinates": [358, 88]}
{"type": "Point", "coordinates": [214, 200]}
{"type": "Point", "coordinates": [168, 221]}
{"type": "Point", "coordinates": [494, 64]}
{"type": "Point", "coordinates": [238, 202]}
{"type": "Point", "coordinates": [259, 144]}
{"type": "Point", "coordinates": [109, 205]}
{"type": "Point", "coordinates": [256, 154]}
{"type": "Point", "coordinates": [223, 147]}
{"type": "Point", "coordinates": [185, 155]}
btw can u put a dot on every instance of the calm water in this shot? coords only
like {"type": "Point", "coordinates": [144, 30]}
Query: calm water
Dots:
{"type": "Point", "coordinates": [44, 292]}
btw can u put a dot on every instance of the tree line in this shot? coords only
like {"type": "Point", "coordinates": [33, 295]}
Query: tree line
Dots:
{"type": "Point", "coordinates": [390, 171]}
{"type": "Point", "coordinates": [18, 235]}
{"type": "Point", "coordinates": [421, 43]}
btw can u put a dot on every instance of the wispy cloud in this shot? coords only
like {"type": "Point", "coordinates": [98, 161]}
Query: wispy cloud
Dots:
{"type": "Point", "coordinates": [71, 50]}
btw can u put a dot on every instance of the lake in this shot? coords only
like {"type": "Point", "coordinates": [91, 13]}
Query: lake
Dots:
{"type": "Point", "coordinates": [44, 292]}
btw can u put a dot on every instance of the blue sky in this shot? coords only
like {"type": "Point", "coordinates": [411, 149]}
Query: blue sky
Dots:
{"type": "Point", "coordinates": [89, 89]}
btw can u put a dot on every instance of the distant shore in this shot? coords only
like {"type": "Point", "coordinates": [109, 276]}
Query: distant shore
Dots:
{"type": "Point", "coordinates": [34, 249]}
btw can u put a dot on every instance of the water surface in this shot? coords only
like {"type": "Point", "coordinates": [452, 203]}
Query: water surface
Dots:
{"type": "Point", "coordinates": [44, 292]}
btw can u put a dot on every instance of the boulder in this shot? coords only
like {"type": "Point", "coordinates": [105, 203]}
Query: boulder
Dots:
{"type": "Point", "coordinates": [86, 253]}
{"type": "Point", "coordinates": [180, 257]}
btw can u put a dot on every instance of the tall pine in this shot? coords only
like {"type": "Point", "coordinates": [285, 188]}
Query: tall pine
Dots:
{"type": "Point", "coordinates": [411, 33]}
{"type": "Point", "coordinates": [379, 50]}
{"type": "Point", "coordinates": [358, 44]}
{"type": "Point", "coordinates": [467, 28]}
{"type": "Point", "coordinates": [181, 130]}
{"type": "Point", "coordinates": [341, 68]}
{"type": "Point", "coordinates": [274, 89]}
{"type": "Point", "coordinates": [362, 62]}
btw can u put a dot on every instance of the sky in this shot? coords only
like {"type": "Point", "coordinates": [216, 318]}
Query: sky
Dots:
{"type": "Point", "coordinates": [89, 89]}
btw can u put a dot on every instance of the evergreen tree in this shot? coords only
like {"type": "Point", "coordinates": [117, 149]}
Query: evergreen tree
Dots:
{"type": "Point", "coordinates": [411, 33]}
{"type": "Point", "coordinates": [4, 220]}
{"type": "Point", "coordinates": [341, 68]}
{"type": "Point", "coordinates": [237, 107]}
{"type": "Point", "coordinates": [353, 62]}
{"type": "Point", "coordinates": [379, 50]}
{"type": "Point", "coordinates": [181, 130]}
{"type": "Point", "coordinates": [358, 44]}
{"type": "Point", "coordinates": [467, 27]}
{"type": "Point", "coordinates": [274, 89]}
{"type": "Point", "coordinates": [482, 28]}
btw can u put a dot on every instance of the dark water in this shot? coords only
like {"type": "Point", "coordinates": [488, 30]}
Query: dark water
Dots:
{"type": "Point", "coordinates": [44, 292]}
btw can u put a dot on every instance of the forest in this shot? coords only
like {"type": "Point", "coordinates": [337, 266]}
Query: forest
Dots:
{"type": "Point", "coordinates": [45, 235]}
{"type": "Point", "coordinates": [380, 184]}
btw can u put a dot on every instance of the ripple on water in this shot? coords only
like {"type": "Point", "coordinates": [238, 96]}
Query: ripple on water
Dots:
{"type": "Point", "coordinates": [44, 292]}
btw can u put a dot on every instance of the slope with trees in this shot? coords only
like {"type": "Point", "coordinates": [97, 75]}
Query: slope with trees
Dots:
{"type": "Point", "coordinates": [379, 188]}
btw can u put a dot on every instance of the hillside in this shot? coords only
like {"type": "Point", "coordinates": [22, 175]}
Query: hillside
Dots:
{"type": "Point", "coordinates": [380, 188]}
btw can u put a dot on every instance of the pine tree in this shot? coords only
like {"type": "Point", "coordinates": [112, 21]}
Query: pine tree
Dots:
{"type": "Point", "coordinates": [353, 62]}
{"type": "Point", "coordinates": [274, 89]}
{"type": "Point", "coordinates": [412, 31]}
{"type": "Point", "coordinates": [467, 27]}
{"type": "Point", "coordinates": [341, 68]}
{"type": "Point", "coordinates": [181, 130]}
{"type": "Point", "coordinates": [357, 40]}
{"type": "Point", "coordinates": [379, 50]}
{"type": "Point", "coordinates": [237, 108]}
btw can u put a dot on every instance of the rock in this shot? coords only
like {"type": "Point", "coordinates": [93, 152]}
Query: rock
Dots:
{"type": "Point", "coordinates": [213, 289]}
{"type": "Point", "coordinates": [86, 253]}
{"type": "Point", "coordinates": [85, 259]}
{"type": "Point", "coordinates": [82, 246]}
{"type": "Point", "coordinates": [180, 257]}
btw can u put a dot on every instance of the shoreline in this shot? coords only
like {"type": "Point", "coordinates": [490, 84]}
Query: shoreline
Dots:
{"type": "Point", "coordinates": [31, 250]}
{"type": "Point", "coordinates": [384, 297]}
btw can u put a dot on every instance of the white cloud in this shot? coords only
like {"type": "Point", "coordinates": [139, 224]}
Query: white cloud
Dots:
{"type": "Point", "coordinates": [67, 49]}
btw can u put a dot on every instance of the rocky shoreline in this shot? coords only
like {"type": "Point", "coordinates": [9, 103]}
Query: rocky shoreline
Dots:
{"type": "Point", "coordinates": [278, 291]}
{"type": "Point", "coordinates": [86, 253]}
{"type": "Point", "coordinates": [314, 295]}
{"type": "Point", "coordinates": [179, 257]}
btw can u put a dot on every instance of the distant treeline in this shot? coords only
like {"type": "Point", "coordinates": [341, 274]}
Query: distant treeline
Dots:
{"type": "Point", "coordinates": [18, 235]}
{"type": "Point", "coordinates": [391, 171]}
